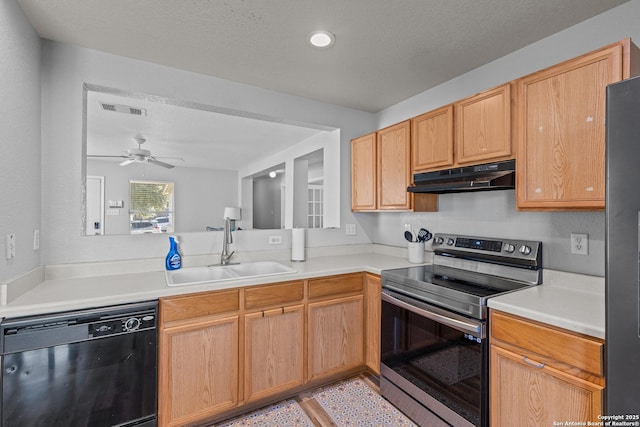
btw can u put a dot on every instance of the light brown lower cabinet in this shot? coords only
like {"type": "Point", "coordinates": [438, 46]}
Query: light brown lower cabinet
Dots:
{"type": "Point", "coordinates": [540, 374]}
{"type": "Point", "coordinates": [198, 370]}
{"type": "Point", "coordinates": [274, 351]}
{"type": "Point", "coordinates": [222, 350]}
{"type": "Point", "coordinates": [372, 306]}
{"type": "Point", "coordinates": [335, 336]}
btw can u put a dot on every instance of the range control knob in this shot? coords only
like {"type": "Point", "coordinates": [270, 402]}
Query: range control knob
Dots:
{"type": "Point", "coordinates": [509, 248]}
{"type": "Point", "coordinates": [450, 241]}
{"type": "Point", "coordinates": [525, 250]}
{"type": "Point", "coordinates": [438, 241]}
{"type": "Point", "coordinates": [131, 324]}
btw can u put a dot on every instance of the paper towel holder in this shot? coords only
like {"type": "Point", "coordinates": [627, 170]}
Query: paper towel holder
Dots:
{"type": "Point", "coordinates": [297, 245]}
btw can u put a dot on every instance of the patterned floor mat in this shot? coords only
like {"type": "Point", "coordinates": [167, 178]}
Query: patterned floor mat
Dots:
{"type": "Point", "coordinates": [354, 403]}
{"type": "Point", "coordinates": [287, 413]}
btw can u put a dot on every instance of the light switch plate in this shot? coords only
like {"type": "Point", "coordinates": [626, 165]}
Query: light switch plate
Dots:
{"type": "Point", "coordinates": [11, 246]}
{"type": "Point", "coordinates": [350, 229]}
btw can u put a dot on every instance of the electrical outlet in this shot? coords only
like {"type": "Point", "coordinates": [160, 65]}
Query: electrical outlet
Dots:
{"type": "Point", "coordinates": [11, 246]}
{"type": "Point", "coordinates": [579, 244]}
{"type": "Point", "coordinates": [275, 240]}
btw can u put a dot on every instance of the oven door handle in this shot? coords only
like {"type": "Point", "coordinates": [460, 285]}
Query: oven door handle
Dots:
{"type": "Point", "coordinates": [440, 318]}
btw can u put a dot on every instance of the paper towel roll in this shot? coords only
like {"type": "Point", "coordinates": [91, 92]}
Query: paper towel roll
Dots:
{"type": "Point", "coordinates": [297, 244]}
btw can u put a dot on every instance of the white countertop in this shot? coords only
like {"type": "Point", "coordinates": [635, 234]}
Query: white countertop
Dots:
{"type": "Point", "coordinates": [566, 300]}
{"type": "Point", "coordinates": [62, 291]}
{"type": "Point", "coordinates": [571, 301]}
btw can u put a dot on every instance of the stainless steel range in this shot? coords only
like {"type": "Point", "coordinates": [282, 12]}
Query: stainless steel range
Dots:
{"type": "Point", "coordinates": [434, 346]}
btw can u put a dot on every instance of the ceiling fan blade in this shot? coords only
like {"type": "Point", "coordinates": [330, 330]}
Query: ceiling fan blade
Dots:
{"type": "Point", "coordinates": [107, 156]}
{"type": "Point", "coordinates": [159, 163]}
{"type": "Point", "coordinates": [127, 162]}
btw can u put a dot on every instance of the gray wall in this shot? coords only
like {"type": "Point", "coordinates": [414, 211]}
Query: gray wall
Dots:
{"type": "Point", "coordinates": [19, 139]}
{"type": "Point", "coordinates": [200, 195]}
{"type": "Point", "coordinates": [494, 214]}
{"type": "Point", "coordinates": [66, 68]}
{"type": "Point", "coordinates": [54, 189]}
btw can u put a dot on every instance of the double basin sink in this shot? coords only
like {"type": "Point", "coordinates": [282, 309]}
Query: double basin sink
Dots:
{"type": "Point", "coordinates": [220, 273]}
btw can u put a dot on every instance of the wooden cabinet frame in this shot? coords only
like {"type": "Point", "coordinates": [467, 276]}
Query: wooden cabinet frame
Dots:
{"type": "Point", "coordinates": [540, 373]}
{"type": "Point", "coordinates": [561, 129]}
{"type": "Point", "coordinates": [269, 334]}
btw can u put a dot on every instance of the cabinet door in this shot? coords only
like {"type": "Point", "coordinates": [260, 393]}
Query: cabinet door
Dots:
{"type": "Point", "coordinates": [198, 370]}
{"type": "Point", "coordinates": [363, 173]}
{"type": "Point", "coordinates": [561, 135]}
{"type": "Point", "coordinates": [432, 139]}
{"type": "Point", "coordinates": [373, 300]}
{"type": "Point", "coordinates": [335, 336]}
{"type": "Point", "coordinates": [274, 345]}
{"type": "Point", "coordinates": [537, 395]}
{"type": "Point", "coordinates": [394, 162]}
{"type": "Point", "coordinates": [483, 126]}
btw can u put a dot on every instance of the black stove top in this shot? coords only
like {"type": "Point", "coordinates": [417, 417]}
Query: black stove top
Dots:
{"type": "Point", "coordinates": [467, 271]}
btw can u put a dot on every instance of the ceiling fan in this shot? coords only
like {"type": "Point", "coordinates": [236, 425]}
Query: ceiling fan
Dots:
{"type": "Point", "coordinates": [139, 155]}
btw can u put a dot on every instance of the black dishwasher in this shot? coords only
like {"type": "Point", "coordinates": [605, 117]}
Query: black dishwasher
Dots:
{"type": "Point", "coordinates": [95, 367]}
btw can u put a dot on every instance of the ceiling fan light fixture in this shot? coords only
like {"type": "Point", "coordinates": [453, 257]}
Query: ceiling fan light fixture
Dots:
{"type": "Point", "coordinates": [321, 39]}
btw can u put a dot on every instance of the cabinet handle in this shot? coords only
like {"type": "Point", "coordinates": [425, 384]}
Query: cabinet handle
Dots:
{"type": "Point", "coordinates": [262, 313]}
{"type": "Point", "coordinates": [282, 310]}
{"type": "Point", "coordinates": [532, 363]}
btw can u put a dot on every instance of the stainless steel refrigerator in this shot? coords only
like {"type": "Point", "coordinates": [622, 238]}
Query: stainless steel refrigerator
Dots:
{"type": "Point", "coordinates": [622, 251]}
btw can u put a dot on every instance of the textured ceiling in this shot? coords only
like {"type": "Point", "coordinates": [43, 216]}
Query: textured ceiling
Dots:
{"type": "Point", "coordinates": [385, 50]}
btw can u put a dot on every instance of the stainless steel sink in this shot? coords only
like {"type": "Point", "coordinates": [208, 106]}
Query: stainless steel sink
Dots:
{"type": "Point", "coordinates": [219, 273]}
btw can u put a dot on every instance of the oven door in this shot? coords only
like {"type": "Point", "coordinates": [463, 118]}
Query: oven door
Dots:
{"type": "Point", "coordinates": [434, 361]}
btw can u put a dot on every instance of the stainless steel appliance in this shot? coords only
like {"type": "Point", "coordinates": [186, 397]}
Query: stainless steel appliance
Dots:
{"type": "Point", "coordinates": [93, 368]}
{"type": "Point", "coordinates": [434, 346]}
{"type": "Point", "coordinates": [622, 250]}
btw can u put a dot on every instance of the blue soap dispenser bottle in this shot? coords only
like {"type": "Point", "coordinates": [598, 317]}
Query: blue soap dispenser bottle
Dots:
{"type": "Point", "coordinates": [174, 259]}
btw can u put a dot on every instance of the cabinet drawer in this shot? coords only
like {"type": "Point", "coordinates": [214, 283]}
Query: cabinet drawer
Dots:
{"type": "Point", "coordinates": [198, 305]}
{"type": "Point", "coordinates": [272, 295]}
{"type": "Point", "coordinates": [335, 285]}
{"type": "Point", "coordinates": [564, 346]}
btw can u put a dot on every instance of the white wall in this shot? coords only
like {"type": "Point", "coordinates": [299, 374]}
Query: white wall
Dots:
{"type": "Point", "coordinates": [200, 197]}
{"type": "Point", "coordinates": [66, 68]}
{"type": "Point", "coordinates": [19, 138]}
{"type": "Point", "coordinates": [493, 214]}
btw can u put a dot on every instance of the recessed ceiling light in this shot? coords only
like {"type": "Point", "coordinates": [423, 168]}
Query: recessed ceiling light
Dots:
{"type": "Point", "coordinates": [273, 174]}
{"type": "Point", "coordinates": [321, 39]}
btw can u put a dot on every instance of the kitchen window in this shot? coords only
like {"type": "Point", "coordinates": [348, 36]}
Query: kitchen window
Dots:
{"type": "Point", "coordinates": [151, 206]}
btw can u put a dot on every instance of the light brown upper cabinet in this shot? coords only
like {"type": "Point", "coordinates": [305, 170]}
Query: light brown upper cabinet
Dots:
{"type": "Point", "coordinates": [363, 173]}
{"type": "Point", "coordinates": [393, 146]}
{"type": "Point", "coordinates": [432, 139]}
{"type": "Point", "coordinates": [483, 127]}
{"type": "Point", "coordinates": [381, 172]}
{"type": "Point", "coordinates": [474, 130]}
{"type": "Point", "coordinates": [561, 130]}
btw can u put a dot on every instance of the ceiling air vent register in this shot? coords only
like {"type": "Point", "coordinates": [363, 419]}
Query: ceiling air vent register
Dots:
{"type": "Point", "coordinates": [123, 109]}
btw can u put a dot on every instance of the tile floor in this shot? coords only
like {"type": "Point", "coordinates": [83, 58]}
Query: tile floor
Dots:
{"type": "Point", "coordinates": [352, 402]}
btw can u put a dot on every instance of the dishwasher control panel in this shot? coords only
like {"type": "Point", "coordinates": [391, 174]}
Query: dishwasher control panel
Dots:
{"type": "Point", "coordinates": [32, 332]}
{"type": "Point", "coordinates": [122, 325]}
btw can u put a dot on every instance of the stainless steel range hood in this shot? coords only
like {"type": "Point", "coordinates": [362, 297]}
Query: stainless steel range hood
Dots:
{"type": "Point", "coordinates": [489, 176]}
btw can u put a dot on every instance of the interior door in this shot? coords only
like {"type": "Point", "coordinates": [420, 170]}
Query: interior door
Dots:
{"type": "Point", "coordinates": [95, 205]}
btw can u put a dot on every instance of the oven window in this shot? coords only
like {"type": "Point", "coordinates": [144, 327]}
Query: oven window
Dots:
{"type": "Point", "coordinates": [445, 363]}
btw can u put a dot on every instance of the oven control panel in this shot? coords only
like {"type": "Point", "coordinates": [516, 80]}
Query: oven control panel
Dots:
{"type": "Point", "coordinates": [508, 248]}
